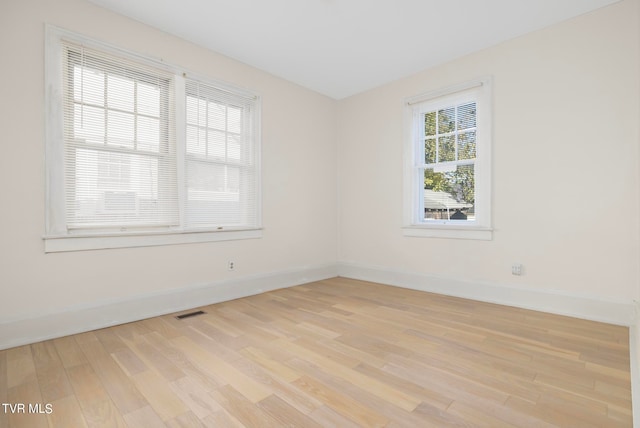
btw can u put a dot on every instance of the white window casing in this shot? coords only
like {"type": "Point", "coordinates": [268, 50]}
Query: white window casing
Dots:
{"type": "Point", "coordinates": [139, 152]}
{"type": "Point", "coordinates": [447, 146]}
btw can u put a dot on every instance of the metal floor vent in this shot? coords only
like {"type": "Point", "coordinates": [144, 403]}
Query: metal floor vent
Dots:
{"type": "Point", "coordinates": [189, 315]}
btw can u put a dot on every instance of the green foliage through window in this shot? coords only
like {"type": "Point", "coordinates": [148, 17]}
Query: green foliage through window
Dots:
{"type": "Point", "coordinates": [450, 136]}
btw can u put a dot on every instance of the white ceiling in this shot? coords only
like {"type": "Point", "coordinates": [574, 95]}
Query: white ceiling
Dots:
{"type": "Point", "coordinates": [343, 47]}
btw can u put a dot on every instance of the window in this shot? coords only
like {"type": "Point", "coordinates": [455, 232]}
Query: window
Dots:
{"type": "Point", "coordinates": [139, 153]}
{"type": "Point", "coordinates": [220, 167]}
{"type": "Point", "coordinates": [447, 167]}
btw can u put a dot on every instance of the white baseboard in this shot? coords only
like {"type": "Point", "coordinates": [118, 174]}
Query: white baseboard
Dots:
{"type": "Point", "coordinates": [561, 303]}
{"type": "Point", "coordinates": [72, 320]}
{"type": "Point", "coordinates": [80, 319]}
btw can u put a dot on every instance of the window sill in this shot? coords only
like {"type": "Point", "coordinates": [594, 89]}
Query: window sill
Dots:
{"type": "Point", "coordinates": [55, 244]}
{"type": "Point", "coordinates": [448, 232]}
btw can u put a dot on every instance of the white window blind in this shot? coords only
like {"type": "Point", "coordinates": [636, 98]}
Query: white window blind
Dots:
{"type": "Point", "coordinates": [221, 173]}
{"type": "Point", "coordinates": [140, 152]}
{"type": "Point", "coordinates": [119, 143]}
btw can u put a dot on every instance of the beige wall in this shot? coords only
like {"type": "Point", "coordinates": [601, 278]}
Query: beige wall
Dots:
{"type": "Point", "coordinates": [299, 179]}
{"type": "Point", "coordinates": [565, 158]}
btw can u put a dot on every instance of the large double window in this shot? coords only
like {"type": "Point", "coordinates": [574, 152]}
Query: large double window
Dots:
{"type": "Point", "coordinates": [448, 156]}
{"type": "Point", "coordinates": [139, 153]}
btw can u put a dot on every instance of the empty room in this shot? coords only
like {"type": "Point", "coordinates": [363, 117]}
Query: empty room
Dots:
{"type": "Point", "coordinates": [320, 213]}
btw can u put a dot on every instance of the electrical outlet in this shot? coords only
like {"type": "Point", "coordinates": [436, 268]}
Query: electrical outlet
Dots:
{"type": "Point", "coordinates": [231, 265]}
{"type": "Point", "coordinates": [516, 269]}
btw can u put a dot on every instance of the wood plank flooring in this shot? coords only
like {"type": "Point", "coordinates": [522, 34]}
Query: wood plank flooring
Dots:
{"type": "Point", "coordinates": [335, 353]}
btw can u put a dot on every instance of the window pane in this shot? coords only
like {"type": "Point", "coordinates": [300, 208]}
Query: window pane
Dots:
{"type": "Point", "coordinates": [217, 147]}
{"type": "Point", "coordinates": [191, 110]}
{"type": "Point", "coordinates": [212, 198]}
{"type": "Point", "coordinates": [466, 116]}
{"type": "Point", "coordinates": [447, 148]}
{"type": "Point", "coordinates": [120, 93]}
{"type": "Point", "coordinates": [235, 120]}
{"type": "Point", "coordinates": [205, 180]}
{"type": "Point", "coordinates": [233, 179]}
{"type": "Point", "coordinates": [217, 116]}
{"type": "Point", "coordinates": [148, 134]}
{"type": "Point", "coordinates": [233, 148]}
{"type": "Point", "coordinates": [430, 151]}
{"type": "Point", "coordinates": [114, 171]}
{"type": "Point", "coordinates": [88, 124]}
{"type": "Point", "coordinates": [467, 145]}
{"type": "Point", "coordinates": [148, 99]}
{"type": "Point", "coordinates": [449, 195]}
{"type": "Point", "coordinates": [115, 188]}
{"type": "Point", "coordinates": [88, 86]}
{"type": "Point", "coordinates": [196, 141]}
{"type": "Point", "coordinates": [196, 111]}
{"type": "Point", "coordinates": [120, 129]}
{"type": "Point", "coordinates": [430, 123]}
{"type": "Point", "coordinates": [446, 120]}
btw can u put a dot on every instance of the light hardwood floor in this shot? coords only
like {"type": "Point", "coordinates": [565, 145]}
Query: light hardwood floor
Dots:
{"type": "Point", "coordinates": [335, 353]}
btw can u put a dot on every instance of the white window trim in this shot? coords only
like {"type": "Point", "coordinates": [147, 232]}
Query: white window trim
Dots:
{"type": "Point", "coordinates": [57, 238]}
{"type": "Point", "coordinates": [413, 225]}
{"type": "Point", "coordinates": [55, 244]}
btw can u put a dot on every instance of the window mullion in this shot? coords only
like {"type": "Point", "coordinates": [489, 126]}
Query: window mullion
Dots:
{"type": "Point", "coordinates": [106, 109]}
{"type": "Point", "coordinates": [135, 114]}
{"type": "Point", "coordinates": [181, 145]}
{"type": "Point", "coordinates": [456, 132]}
{"type": "Point", "coordinates": [226, 147]}
{"type": "Point", "coordinates": [206, 126]}
{"type": "Point", "coordinates": [437, 136]}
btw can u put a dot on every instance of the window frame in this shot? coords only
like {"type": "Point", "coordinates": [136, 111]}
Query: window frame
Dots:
{"type": "Point", "coordinates": [57, 236]}
{"type": "Point", "coordinates": [165, 155]}
{"type": "Point", "coordinates": [414, 224]}
{"type": "Point", "coordinates": [245, 159]}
